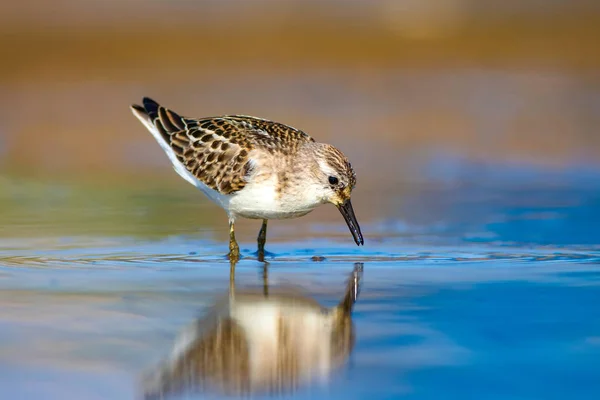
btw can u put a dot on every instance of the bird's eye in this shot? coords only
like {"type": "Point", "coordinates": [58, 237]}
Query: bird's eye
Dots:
{"type": "Point", "coordinates": [333, 180]}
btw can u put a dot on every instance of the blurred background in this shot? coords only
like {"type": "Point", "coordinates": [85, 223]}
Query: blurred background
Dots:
{"type": "Point", "coordinates": [448, 109]}
{"type": "Point", "coordinates": [473, 127]}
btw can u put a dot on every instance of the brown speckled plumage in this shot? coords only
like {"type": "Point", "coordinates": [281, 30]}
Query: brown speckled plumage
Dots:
{"type": "Point", "coordinates": [215, 149]}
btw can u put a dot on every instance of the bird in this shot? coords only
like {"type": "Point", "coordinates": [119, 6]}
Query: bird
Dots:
{"type": "Point", "coordinates": [253, 167]}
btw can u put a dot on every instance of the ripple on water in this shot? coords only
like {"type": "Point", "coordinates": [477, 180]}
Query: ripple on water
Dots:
{"type": "Point", "coordinates": [91, 318]}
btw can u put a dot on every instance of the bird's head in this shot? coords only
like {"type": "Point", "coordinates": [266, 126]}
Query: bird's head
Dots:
{"type": "Point", "coordinates": [334, 177]}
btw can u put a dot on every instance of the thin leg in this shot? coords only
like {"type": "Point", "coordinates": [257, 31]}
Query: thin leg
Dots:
{"type": "Point", "coordinates": [234, 249]}
{"type": "Point", "coordinates": [262, 238]}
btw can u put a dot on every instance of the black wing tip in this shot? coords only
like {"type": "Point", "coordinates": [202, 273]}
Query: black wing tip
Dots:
{"type": "Point", "coordinates": [138, 108]}
{"type": "Point", "coordinates": [150, 106]}
{"type": "Point", "coordinates": [148, 102]}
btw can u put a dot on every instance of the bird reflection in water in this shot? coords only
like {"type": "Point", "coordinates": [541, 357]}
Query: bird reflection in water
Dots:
{"type": "Point", "coordinates": [258, 341]}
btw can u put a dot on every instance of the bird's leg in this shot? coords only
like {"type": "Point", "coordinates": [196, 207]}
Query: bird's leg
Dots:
{"type": "Point", "coordinates": [234, 249]}
{"type": "Point", "coordinates": [262, 238]}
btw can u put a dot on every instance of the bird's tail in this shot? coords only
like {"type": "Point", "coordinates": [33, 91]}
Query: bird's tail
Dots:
{"type": "Point", "coordinates": [158, 119]}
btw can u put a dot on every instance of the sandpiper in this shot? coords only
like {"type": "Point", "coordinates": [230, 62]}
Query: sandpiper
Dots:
{"type": "Point", "coordinates": [253, 167]}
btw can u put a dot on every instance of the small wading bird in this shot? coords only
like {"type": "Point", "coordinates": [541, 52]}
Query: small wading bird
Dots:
{"type": "Point", "coordinates": [252, 167]}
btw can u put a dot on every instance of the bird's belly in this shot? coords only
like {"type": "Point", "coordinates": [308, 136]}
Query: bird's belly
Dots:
{"type": "Point", "coordinates": [263, 203]}
{"type": "Point", "coordinates": [271, 214]}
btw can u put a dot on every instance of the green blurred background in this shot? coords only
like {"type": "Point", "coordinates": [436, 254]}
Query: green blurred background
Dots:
{"type": "Point", "coordinates": [418, 93]}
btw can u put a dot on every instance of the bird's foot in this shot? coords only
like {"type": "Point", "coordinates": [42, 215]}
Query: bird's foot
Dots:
{"type": "Point", "coordinates": [234, 253]}
{"type": "Point", "coordinates": [233, 256]}
{"type": "Point", "coordinates": [262, 255]}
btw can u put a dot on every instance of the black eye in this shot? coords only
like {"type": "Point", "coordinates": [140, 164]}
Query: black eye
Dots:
{"type": "Point", "coordinates": [333, 180]}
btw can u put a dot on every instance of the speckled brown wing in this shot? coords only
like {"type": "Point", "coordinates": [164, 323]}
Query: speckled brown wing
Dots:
{"type": "Point", "coordinates": [216, 150]}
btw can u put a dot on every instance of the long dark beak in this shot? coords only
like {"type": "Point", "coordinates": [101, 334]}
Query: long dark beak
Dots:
{"type": "Point", "coordinates": [348, 213]}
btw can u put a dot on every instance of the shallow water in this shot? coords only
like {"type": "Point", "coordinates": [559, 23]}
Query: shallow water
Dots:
{"type": "Point", "coordinates": [438, 325]}
{"type": "Point", "coordinates": [466, 292]}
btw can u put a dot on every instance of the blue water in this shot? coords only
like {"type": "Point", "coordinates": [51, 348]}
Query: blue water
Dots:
{"type": "Point", "coordinates": [435, 326]}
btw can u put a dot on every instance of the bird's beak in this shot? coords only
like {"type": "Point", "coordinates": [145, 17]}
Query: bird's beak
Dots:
{"type": "Point", "coordinates": [348, 214]}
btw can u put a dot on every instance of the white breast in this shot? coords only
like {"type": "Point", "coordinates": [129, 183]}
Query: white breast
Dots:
{"type": "Point", "coordinates": [262, 201]}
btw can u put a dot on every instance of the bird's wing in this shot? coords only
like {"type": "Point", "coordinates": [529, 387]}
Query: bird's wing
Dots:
{"type": "Point", "coordinates": [216, 150]}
